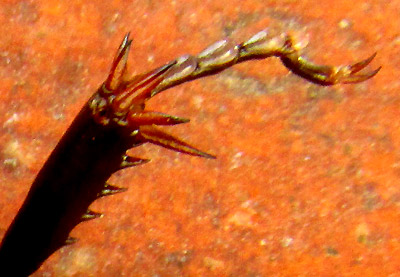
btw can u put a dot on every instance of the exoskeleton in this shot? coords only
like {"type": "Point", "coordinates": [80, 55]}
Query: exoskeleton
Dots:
{"type": "Point", "coordinates": [114, 120]}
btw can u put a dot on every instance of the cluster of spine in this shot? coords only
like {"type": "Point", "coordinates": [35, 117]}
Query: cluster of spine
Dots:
{"type": "Point", "coordinates": [115, 120]}
{"type": "Point", "coordinates": [121, 100]}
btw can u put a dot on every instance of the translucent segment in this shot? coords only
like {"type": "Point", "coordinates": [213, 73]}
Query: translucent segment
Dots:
{"type": "Point", "coordinates": [184, 66]}
{"type": "Point", "coordinates": [178, 73]}
{"type": "Point", "coordinates": [218, 54]}
{"type": "Point", "coordinates": [210, 50]}
{"type": "Point", "coordinates": [260, 36]}
{"type": "Point", "coordinates": [264, 43]}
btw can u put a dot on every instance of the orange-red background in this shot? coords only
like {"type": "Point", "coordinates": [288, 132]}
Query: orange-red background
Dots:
{"type": "Point", "coordinates": [307, 178]}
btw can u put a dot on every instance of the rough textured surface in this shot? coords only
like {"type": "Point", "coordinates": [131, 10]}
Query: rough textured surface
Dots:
{"type": "Point", "coordinates": [306, 180]}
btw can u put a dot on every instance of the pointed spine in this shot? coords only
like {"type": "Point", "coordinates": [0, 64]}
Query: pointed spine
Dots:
{"type": "Point", "coordinates": [128, 161]}
{"type": "Point", "coordinates": [91, 215]}
{"type": "Point", "coordinates": [156, 136]}
{"type": "Point", "coordinates": [140, 118]}
{"type": "Point", "coordinates": [70, 240]}
{"type": "Point", "coordinates": [118, 68]}
{"type": "Point", "coordinates": [110, 190]}
{"type": "Point", "coordinates": [139, 91]}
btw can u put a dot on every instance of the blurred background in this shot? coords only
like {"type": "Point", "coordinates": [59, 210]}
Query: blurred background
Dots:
{"type": "Point", "coordinates": [306, 180]}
